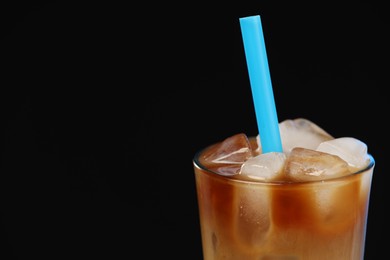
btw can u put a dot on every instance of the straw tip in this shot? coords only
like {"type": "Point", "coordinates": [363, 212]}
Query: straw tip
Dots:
{"type": "Point", "coordinates": [249, 17]}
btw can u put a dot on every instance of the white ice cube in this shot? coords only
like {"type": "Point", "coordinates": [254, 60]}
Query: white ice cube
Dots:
{"type": "Point", "coordinates": [299, 132]}
{"type": "Point", "coordinates": [350, 149]}
{"type": "Point", "coordinates": [264, 167]}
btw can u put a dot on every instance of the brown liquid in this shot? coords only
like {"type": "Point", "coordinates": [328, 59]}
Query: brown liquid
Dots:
{"type": "Point", "coordinates": [253, 220]}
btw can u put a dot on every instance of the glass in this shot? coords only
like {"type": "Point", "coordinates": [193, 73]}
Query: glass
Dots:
{"type": "Point", "coordinates": [242, 219]}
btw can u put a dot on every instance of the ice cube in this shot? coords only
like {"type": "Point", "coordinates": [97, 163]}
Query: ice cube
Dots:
{"type": "Point", "coordinates": [307, 165]}
{"type": "Point", "coordinates": [300, 132]}
{"type": "Point", "coordinates": [350, 149]}
{"type": "Point", "coordinates": [252, 223]}
{"type": "Point", "coordinates": [227, 169]}
{"type": "Point", "coordinates": [227, 156]}
{"type": "Point", "coordinates": [233, 150]}
{"type": "Point", "coordinates": [264, 167]}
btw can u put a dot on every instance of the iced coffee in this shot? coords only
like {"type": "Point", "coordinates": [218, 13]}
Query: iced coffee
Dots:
{"type": "Point", "coordinates": [308, 202]}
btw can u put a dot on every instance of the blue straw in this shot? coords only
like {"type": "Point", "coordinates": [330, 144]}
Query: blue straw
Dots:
{"type": "Point", "coordinates": [260, 80]}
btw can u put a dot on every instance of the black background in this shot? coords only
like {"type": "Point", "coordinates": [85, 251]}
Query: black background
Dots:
{"type": "Point", "coordinates": [104, 105]}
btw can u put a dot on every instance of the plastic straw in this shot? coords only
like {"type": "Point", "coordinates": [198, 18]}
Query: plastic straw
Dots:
{"type": "Point", "coordinates": [260, 80]}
